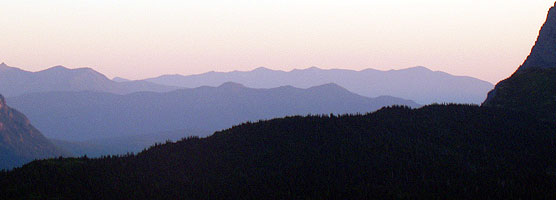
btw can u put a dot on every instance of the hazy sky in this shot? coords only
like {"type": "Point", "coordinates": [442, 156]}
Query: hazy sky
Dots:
{"type": "Point", "coordinates": [487, 39]}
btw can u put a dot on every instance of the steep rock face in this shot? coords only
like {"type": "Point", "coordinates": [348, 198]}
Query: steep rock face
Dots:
{"type": "Point", "coordinates": [532, 87]}
{"type": "Point", "coordinates": [20, 142]}
{"type": "Point", "coordinates": [543, 54]}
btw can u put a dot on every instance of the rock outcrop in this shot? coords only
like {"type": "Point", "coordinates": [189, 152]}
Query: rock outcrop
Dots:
{"type": "Point", "coordinates": [20, 142]}
{"type": "Point", "coordinates": [543, 54]}
{"type": "Point", "coordinates": [532, 88]}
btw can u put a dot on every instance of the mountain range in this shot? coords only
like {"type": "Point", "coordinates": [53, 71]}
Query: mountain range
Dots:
{"type": "Point", "coordinates": [15, 81]}
{"type": "Point", "coordinates": [86, 115]}
{"type": "Point", "coordinates": [503, 149]}
{"type": "Point", "coordinates": [418, 83]}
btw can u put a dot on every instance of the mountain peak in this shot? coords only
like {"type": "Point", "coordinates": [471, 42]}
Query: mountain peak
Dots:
{"type": "Point", "coordinates": [261, 69]}
{"type": "Point", "coordinates": [57, 68]}
{"type": "Point", "coordinates": [543, 54]}
{"type": "Point", "coordinates": [329, 87]}
{"type": "Point", "coordinates": [4, 66]}
{"type": "Point", "coordinates": [313, 68]}
{"type": "Point", "coordinates": [416, 68]}
{"type": "Point", "coordinates": [231, 85]}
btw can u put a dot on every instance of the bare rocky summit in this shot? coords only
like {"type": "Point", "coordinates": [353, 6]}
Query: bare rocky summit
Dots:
{"type": "Point", "coordinates": [543, 54]}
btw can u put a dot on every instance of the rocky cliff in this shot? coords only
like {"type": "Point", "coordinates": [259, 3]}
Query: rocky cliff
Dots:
{"type": "Point", "coordinates": [532, 88]}
{"type": "Point", "coordinates": [543, 54]}
{"type": "Point", "coordinates": [20, 142]}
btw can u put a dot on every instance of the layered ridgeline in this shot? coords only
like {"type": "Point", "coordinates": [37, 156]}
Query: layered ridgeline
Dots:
{"type": "Point", "coordinates": [14, 81]}
{"type": "Point", "coordinates": [503, 150]}
{"type": "Point", "coordinates": [532, 87]}
{"type": "Point", "coordinates": [78, 116]}
{"type": "Point", "coordinates": [419, 83]}
{"type": "Point", "coordinates": [20, 142]}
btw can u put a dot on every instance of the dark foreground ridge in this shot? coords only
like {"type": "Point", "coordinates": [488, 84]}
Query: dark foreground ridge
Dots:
{"type": "Point", "coordinates": [502, 150]}
{"type": "Point", "coordinates": [439, 151]}
{"type": "Point", "coordinates": [532, 88]}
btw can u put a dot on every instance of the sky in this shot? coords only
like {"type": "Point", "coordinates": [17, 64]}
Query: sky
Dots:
{"type": "Point", "coordinates": [140, 39]}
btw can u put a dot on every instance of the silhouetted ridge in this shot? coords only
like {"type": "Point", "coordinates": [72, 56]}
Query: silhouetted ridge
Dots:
{"type": "Point", "coordinates": [436, 152]}
{"type": "Point", "coordinates": [532, 88]}
{"type": "Point", "coordinates": [543, 54]}
{"type": "Point", "coordinates": [58, 68]}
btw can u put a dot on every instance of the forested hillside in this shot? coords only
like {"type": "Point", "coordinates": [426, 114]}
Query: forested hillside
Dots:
{"type": "Point", "coordinates": [438, 151]}
{"type": "Point", "coordinates": [530, 90]}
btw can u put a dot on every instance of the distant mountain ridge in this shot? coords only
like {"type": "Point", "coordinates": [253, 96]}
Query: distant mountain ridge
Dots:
{"type": "Point", "coordinates": [502, 150]}
{"type": "Point", "coordinates": [14, 81]}
{"type": "Point", "coordinates": [78, 116]}
{"type": "Point", "coordinates": [20, 142]}
{"type": "Point", "coordinates": [418, 83]}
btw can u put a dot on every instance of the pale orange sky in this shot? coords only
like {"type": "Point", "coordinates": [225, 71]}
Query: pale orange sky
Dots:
{"type": "Point", "coordinates": [140, 39]}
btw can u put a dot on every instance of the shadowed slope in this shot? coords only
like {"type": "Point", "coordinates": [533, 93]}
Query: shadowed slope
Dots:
{"type": "Point", "coordinates": [436, 152]}
{"type": "Point", "coordinates": [20, 142]}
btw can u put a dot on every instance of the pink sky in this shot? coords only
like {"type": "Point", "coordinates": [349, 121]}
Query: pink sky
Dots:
{"type": "Point", "coordinates": [140, 39]}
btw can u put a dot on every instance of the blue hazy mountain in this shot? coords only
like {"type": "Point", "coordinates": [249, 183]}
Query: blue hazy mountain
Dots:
{"type": "Point", "coordinates": [20, 142]}
{"type": "Point", "coordinates": [78, 116]}
{"type": "Point", "coordinates": [14, 81]}
{"type": "Point", "coordinates": [120, 79]}
{"type": "Point", "coordinates": [419, 83]}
